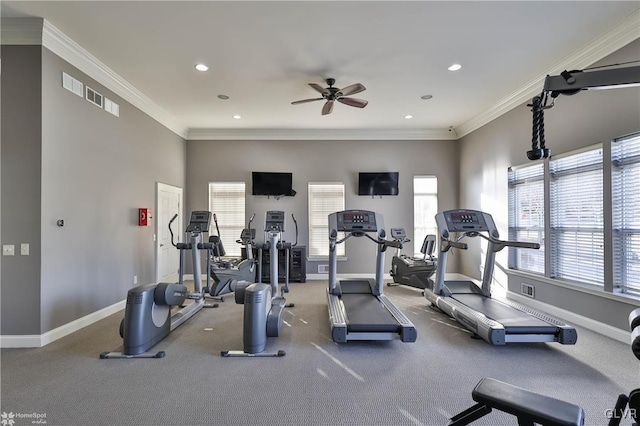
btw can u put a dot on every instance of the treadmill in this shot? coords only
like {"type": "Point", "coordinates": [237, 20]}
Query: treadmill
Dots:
{"type": "Point", "coordinates": [496, 321]}
{"type": "Point", "coordinates": [358, 309]}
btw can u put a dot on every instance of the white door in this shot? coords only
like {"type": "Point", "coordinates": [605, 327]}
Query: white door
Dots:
{"type": "Point", "coordinates": [169, 199]}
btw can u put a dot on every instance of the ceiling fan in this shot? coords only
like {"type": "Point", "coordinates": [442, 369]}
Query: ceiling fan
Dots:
{"type": "Point", "coordinates": [331, 94]}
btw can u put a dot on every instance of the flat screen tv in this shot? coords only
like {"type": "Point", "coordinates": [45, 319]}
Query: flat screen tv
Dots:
{"type": "Point", "coordinates": [272, 183]}
{"type": "Point", "coordinates": [378, 183]}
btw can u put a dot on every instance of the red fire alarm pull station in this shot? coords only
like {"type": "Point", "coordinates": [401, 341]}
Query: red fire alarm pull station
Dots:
{"type": "Point", "coordinates": [143, 217]}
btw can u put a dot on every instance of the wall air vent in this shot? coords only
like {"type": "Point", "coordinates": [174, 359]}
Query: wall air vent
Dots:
{"type": "Point", "coordinates": [111, 107]}
{"type": "Point", "coordinates": [94, 97]}
{"type": "Point", "coordinates": [323, 269]}
{"type": "Point", "coordinates": [72, 85]}
{"type": "Point", "coordinates": [528, 290]}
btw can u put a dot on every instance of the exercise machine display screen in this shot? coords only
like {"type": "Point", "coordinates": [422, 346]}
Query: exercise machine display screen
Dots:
{"type": "Point", "coordinates": [275, 221]}
{"type": "Point", "coordinates": [465, 220]}
{"type": "Point", "coordinates": [357, 221]}
{"type": "Point", "coordinates": [199, 221]}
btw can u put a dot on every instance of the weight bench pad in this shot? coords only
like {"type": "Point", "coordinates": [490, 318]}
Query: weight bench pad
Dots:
{"type": "Point", "coordinates": [526, 404]}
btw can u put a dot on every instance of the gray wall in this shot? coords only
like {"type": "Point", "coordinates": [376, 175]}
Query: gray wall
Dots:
{"type": "Point", "coordinates": [574, 122]}
{"type": "Point", "coordinates": [326, 161]}
{"type": "Point", "coordinates": [21, 187]}
{"type": "Point", "coordinates": [96, 170]}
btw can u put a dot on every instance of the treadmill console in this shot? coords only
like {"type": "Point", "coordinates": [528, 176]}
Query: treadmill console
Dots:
{"type": "Point", "coordinates": [356, 221]}
{"type": "Point", "coordinates": [199, 221]}
{"type": "Point", "coordinates": [465, 220]}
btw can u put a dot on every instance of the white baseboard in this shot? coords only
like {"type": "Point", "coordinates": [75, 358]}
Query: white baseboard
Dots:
{"type": "Point", "coordinates": [312, 277]}
{"type": "Point", "coordinates": [37, 341]}
{"type": "Point", "coordinates": [573, 318]}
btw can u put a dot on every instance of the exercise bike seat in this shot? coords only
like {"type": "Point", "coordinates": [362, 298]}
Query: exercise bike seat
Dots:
{"type": "Point", "coordinates": [529, 407]}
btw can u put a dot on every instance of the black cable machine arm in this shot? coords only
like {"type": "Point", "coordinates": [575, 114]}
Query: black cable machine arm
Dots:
{"type": "Point", "coordinates": [570, 83]}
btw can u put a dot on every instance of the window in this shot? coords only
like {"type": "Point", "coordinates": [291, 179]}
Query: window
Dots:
{"type": "Point", "coordinates": [576, 217]}
{"type": "Point", "coordinates": [324, 198]}
{"type": "Point", "coordinates": [625, 183]}
{"type": "Point", "coordinates": [526, 216]}
{"type": "Point", "coordinates": [425, 207]}
{"type": "Point", "coordinates": [227, 202]}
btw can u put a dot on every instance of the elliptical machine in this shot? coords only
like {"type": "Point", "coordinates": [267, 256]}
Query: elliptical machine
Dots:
{"type": "Point", "coordinates": [226, 274]}
{"type": "Point", "coordinates": [413, 271]}
{"type": "Point", "coordinates": [263, 306]}
{"type": "Point", "coordinates": [148, 317]}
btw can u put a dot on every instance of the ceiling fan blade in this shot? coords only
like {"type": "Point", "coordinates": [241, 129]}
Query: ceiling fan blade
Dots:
{"type": "Point", "coordinates": [327, 108]}
{"type": "Point", "coordinates": [353, 89]}
{"type": "Point", "coordinates": [320, 89]}
{"type": "Point", "coordinates": [354, 102]}
{"type": "Point", "coordinates": [306, 100]}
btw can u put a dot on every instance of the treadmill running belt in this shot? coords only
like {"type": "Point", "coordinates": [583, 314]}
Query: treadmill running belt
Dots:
{"type": "Point", "coordinates": [365, 313]}
{"type": "Point", "coordinates": [513, 320]}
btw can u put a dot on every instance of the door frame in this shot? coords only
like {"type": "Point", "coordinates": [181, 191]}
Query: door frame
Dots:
{"type": "Point", "coordinates": [178, 191]}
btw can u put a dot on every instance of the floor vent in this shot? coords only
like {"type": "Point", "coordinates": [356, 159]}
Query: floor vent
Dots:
{"type": "Point", "coordinates": [528, 290]}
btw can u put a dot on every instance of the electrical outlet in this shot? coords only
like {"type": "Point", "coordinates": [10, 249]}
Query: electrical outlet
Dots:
{"type": "Point", "coordinates": [8, 250]}
{"type": "Point", "coordinates": [135, 279]}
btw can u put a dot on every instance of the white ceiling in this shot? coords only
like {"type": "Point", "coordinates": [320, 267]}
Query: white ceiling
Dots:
{"type": "Point", "coordinates": [263, 54]}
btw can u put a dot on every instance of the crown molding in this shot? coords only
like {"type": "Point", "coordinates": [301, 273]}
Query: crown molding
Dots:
{"type": "Point", "coordinates": [604, 45]}
{"type": "Point", "coordinates": [21, 31]}
{"type": "Point", "coordinates": [63, 46]}
{"type": "Point", "coordinates": [30, 31]}
{"type": "Point", "coordinates": [321, 134]}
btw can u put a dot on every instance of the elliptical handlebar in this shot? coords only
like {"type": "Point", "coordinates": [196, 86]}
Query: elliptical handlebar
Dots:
{"type": "Point", "coordinates": [175, 216]}
{"type": "Point", "coordinates": [295, 222]}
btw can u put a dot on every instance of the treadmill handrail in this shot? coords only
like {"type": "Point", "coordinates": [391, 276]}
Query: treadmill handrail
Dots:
{"type": "Point", "coordinates": [500, 244]}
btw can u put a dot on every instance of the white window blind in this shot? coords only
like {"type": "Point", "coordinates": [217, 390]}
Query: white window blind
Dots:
{"type": "Point", "coordinates": [324, 198]}
{"type": "Point", "coordinates": [227, 202]}
{"type": "Point", "coordinates": [576, 217]}
{"type": "Point", "coordinates": [526, 216]}
{"type": "Point", "coordinates": [625, 190]}
{"type": "Point", "coordinates": [425, 207]}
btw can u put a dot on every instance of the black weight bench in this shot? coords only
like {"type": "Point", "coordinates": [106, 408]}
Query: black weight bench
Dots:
{"type": "Point", "coordinates": [529, 407]}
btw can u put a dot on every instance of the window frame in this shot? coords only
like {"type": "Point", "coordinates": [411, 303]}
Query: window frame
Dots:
{"type": "Point", "coordinates": [318, 221]}
{"type": "Point", "coordinates": [231, 215]}
{"type": "Point", "coordinates": [521, 178]}
{"type": "Point", "coordinates": [419, 231]}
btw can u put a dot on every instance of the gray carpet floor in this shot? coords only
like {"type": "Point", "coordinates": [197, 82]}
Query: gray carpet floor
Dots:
{"type": "Point", "coordinates": [318, 382]}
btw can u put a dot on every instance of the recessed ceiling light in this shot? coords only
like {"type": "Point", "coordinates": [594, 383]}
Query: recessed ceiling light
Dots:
{"type": "Point", "coordinates": [237, 117]}
{"type": "Point", "coordinates": [455, 67]}
{"type": "Point", "coordinates": [426, 97]}
{"type": "Point", "coordinates": [201, 67]}
{"type": "Point", "coordinates": [408, 116]}
{"type": "Point", "coordinates": [223, 97]}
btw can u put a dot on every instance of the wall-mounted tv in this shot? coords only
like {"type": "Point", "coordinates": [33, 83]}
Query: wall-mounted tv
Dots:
{"type": "Point", "coordinates": [272, 183]}
{"type": "Point", "coordinates": [378, 183]}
